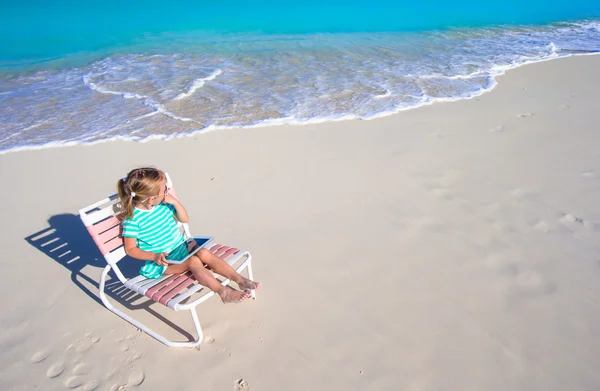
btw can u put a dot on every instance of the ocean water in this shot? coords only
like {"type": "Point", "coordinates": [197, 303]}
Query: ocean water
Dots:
{"type": "Point", "coordinates": [81, 72]}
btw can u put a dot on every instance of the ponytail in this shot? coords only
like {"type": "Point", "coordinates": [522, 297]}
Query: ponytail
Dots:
{"type": "Point", "coordinates": [125, 198]}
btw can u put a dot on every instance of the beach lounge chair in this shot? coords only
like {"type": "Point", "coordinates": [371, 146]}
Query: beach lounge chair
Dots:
{"type": "Point", "coordinates": [178, 292]}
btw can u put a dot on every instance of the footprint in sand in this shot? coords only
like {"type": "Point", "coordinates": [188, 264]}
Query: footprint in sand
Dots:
{"type": "Point", "coordinates": [573, 222]}
{"type": "Point", "coordinates": [544, 226]}
{"type": "Point", "coordinates": [82, 346]}
{"type": "Point", "coordinates": [112, 373]}
{"type": "Point", "coordinates": [532, 283]}
{"type": "Point", "coordinates": [446, 186]}
{"type": "Point", "coordinates": [589, 174]}
{"type": "Point", "coordinates": [134, 356]}
{"type": "Point", "coordinates": [439, 190]}
{"type": "Point", "coordinates": [241, 385]}
{"type": "Point", "coordinates": [571, 218]}
{"type": "Point", "coordinates": [134, 335]}
{"type": "Point", "coordinates": [94, 338]}
{"type": "Point", "coordinates": [77, 358]}
{"type": "Point", "coordinates": [523, 194]}
{"type": "Point", "coordinates": [520, 281]}
{"type": "Point", "coordinates": [136, 378]}
{"type": "Point", "coordinates": [502, 264]}
{"type": "Point", "coordinates": [499, 225]}
{"type": "Point", "coordinates": [524, 115]}
{"type": "Point", "coordinates": [55, 370]}
{"type": "Point", "coordinates": [82, 369]}
{"type": "Point", "coordinates": [530, 280]}
{"type": "Point", "coordinates": [91, 385]}
{"type": "Point", "coordinates": [74, 381]}
{"type": "Point", "coordinates": [118, 387]}
{"type": "Point", "coordinates": [517, 193]}
{"type": "Point", "coordinates": [525, 284]}
{"type": "Point", "coordinates": [40, 356]}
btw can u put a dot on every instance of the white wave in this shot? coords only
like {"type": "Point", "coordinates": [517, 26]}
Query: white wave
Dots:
{"type": "Point", "coordinates": [16, 134]}
{"type": "Point", "coordinates": [162, 109]}
{"type": "Point", "coordinates": [198, 83]}
{"type": "Point", "coordinates": [150, 114]}
{"type": "Point", "coordinates": [388, 93]}
{"type": "Point", "coordinates": [454, 77]}
{"type": "Point", "coordinates": [588, 25]}
{"type": "Point", "coordinates": [157, 107]}
{"type": "Point", "coordinates": [36, 125]}
{"type": "Point", "coordinates": [102, 90]}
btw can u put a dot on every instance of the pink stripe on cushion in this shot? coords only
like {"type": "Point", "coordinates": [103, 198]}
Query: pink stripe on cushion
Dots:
{"type": "Point", "coordinates": [165, 289]}
{"type": "Point", "coordinates": [221, 251]}
{"type": "Point", "coordinates": [110, 234]}
{"type": "Point", "coordinates": [105, 225]}
{"type": "Point", "coordinates": [97, 240]}
{"type": "Point", "coordinates": [104, 243]}
{"type": "Point", "coordinates": [160, 286]}
{"type": "Point", "coordinates": [215, 248]}
{"type": "Point", "coordinates": [229, 253]}
{"type": "Point", "coordinates": [182, 286]}
{"type": "Point", "coordinates": [112, 244]}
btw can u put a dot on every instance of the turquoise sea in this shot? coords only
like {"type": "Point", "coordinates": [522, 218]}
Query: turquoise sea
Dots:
{"type": "Point", "coordinates": [87, 71]}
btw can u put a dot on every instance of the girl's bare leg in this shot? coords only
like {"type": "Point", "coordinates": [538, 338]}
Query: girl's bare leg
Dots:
{"type": "Point", "coordinates": [206, 278]}
{"type": "Point", "coordinates": [222, 268]}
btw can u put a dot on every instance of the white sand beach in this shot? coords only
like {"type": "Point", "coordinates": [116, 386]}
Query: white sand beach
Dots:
{"type": "Point", "coordinates": [450, 247]}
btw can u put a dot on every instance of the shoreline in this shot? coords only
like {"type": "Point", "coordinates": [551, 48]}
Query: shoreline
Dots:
{"type": "Point", "coordinates": [497, 72]}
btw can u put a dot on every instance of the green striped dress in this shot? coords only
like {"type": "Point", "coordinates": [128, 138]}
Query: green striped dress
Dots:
{"type": "Point", "coordinates": [156, 231]}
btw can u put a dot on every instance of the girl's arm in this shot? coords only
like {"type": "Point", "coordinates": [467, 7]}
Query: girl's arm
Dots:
{"type": "Point", "coordinates": [133, 251]}
{"type": "Point", "coordinates": [180, 212]}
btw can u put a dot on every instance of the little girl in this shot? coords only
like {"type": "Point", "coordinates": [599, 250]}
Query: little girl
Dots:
{"type": "Point", "coordinates": [150, 233]}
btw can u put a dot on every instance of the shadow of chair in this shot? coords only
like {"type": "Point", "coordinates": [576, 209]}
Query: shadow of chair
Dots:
{"type": "Point", "coordinates": [68, 243]}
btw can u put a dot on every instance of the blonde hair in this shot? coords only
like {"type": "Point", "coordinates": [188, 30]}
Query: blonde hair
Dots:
{"type": "Point", "coordinates": [138, 185]}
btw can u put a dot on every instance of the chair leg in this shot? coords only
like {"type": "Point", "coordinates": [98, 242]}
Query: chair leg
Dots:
{"type": "Point", "coordinates": [147, 330]}
{"type": "Point", "coordinates": [199, 332]}
{"type": "Point", "coordinates": [251, 275]}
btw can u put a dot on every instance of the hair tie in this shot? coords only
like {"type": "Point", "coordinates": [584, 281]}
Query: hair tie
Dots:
{"type": "Point", "coordinates": [131, 193]}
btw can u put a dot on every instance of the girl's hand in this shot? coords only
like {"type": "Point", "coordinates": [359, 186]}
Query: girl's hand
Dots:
{"type": "Point", "coordinates": [169, 199]}
{"type": "Point", "coordinates": [161, 259]}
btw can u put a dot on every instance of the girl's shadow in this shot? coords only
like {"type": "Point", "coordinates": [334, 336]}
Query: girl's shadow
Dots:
{"type": "Point", "coordinates": [68, 243]}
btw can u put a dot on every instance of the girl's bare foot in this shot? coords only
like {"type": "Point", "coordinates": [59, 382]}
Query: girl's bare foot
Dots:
{"type": "Point", "coordinates": [230, 295]}
{"type": "Point", "coordinates": [246, 284]}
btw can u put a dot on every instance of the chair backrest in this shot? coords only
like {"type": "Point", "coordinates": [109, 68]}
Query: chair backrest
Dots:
{"type": "Point", "coordinates": [104, 226]}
